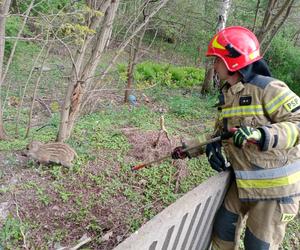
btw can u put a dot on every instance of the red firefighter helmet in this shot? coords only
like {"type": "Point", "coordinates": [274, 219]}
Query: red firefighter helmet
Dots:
{"type": "Point", "coordinates": [236, 46]}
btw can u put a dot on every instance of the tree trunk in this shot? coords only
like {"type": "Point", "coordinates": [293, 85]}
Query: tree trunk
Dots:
{"type": "Point", "coordinates": [82, 73]}
{"type": "Point", "coordinates": [275, 15]}
{"type": "Point", "coordinates": [255, 17]}
{"type": "Point", "coordinates": [209, 75]}
{"type": "Point", "coordinates": [209, 71]}
{"type": "Point", "coordinates": [121, 48]}
{"type": "Point", "coordinates": [4, 8]}
{"type": "Point", "coordinates": [276, 28]}
{"type": "Point", "coordinates": [133, 58]}
{"type": "Point", "coordinates": [296, 37]}
{"type": "Point", "coordinates": [130, 69]}
{"type": "Point", "coordinates": [81, 78]}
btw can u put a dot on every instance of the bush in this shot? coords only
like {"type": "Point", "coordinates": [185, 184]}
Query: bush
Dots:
{"type": "Point", "coordinates": [46, 7]}
{"type": "Point", "coordinates": [284, 60]}
{"type": "Point", "coordinates": [13, 25]}
{"type": "Point", "coordinates": [163, 74]}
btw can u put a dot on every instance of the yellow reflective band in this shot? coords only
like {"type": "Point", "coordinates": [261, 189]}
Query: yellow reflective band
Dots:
{"type": "Point", "coordinates": [287, 217]}
{"type": "Point", "coordinates": [292, 134]}
{"type": "Point", "coordinates": [276, 98]}
{"type": "Point", "coordinates": [289, 136]}
{"type": "Point", "coordinates": [216, 45]}
{"type": "Point", "coordinates": [242, 111]}
{"type": "Point", "coordinates": [269, 183]}
{"type": "Point", "coordinates": [295, 134]}
{"type": "Point", "coordinates": [279, 100]}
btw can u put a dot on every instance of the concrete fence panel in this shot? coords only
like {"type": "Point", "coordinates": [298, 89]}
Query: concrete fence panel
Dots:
{"type": "Point", "coordinates": [185, 224]}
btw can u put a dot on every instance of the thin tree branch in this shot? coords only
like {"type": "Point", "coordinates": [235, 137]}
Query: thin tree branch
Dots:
{"type": "Point", "coordinates": [124, 44]}
{"type": "Point", "coordinates": [16, 42]}
{"type": "Point", "coordinates": [35, 91]}
{"type": "Point", "coordinates": [255, 17]}
{"type": "Point", "coordinates": [276, 28]}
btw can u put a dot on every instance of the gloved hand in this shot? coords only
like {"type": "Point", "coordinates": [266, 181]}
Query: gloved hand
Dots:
{"type": "Point", "coordinates": [244, 134]}
{"type": "Point", "coordinates": [215, 157]}
{"type": "Point", "coordinates": [178, 153]}
{"type": "Point", "coordinates": [193, 146]}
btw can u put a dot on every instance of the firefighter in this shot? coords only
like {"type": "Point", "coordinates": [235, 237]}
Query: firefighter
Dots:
{"type": "Point", "coordinates": [259, 121]}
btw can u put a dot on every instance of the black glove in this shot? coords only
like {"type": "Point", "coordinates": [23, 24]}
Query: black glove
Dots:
{"type": "Point", "coordinates": [178, 153]}
{"type": "Point", "coordinates": [215, 157]}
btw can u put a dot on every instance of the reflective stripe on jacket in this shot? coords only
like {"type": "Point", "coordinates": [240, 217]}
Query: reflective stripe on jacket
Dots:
{"type": "Point", "coordinates": [273, 171]}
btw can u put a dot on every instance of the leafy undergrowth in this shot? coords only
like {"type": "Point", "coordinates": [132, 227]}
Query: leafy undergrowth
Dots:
{"type": "Point", "coordinates": [46, 207]}
{"type": "Point", "coordinates": [50, 206]}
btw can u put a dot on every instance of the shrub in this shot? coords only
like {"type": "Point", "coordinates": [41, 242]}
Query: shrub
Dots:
{"type": "Point", "coordinates": [163, 74]}
{"type": "Point", "coordinates": [46, 7]}
{"type": "Point", "coordinates": [13, 25]}
{"type": "Point", "coordinates": [284, 60]}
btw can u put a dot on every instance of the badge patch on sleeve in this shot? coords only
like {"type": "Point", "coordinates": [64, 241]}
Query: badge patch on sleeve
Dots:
{"type": "Point", "coordinates": [245, 100]}
{"type": "Point", "coordinates": [293, 104]}
{"type": "Point", "coordinates": [287, 217]}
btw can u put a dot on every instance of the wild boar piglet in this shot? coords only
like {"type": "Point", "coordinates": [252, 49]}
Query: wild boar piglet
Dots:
{"type": "Point", "coordinates": [52, 152]}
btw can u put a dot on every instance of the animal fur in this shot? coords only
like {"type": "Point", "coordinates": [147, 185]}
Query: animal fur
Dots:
{"type": "Point", "coordinates": [53, 152]}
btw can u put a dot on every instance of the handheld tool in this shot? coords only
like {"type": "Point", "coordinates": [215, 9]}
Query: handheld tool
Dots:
{"type": "Point", "coordinates": [142, 165]}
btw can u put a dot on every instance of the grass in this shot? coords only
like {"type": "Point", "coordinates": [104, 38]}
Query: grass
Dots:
{"type": "Point", "coordinates": [82, 189]}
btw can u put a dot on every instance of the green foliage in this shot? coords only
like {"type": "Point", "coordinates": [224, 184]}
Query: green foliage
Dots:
{"type": "Point", "coordinates": [199, 171]}
{"type": "Point", "coordinates": [106, 140]}
{"type": "Point", "coordinates": [12, 27]}
{"type": "Point", "coordinates": [46, 7]}
{"type": "Point", "coordinates": [63, 193]}
{"type": "Point", "coordinates": [42, 195]}
{"type": "Point", "coordinates": [95, 130]}
{"type": "Point", "coordinates": [160, 184]}
{"type": "Point", "coordinates": [149, 73]}
{"type": "Point", "coordinates": [187, 106]}
{"type": "Point", "coordinates": [76, 32]}
{"type": "Point", "coordinates": [16, 144]}
{"type": "Point", "coordinates": [284, 60]}
{"type": "Point", "coordinates": [11, 232]}
{"type": "Point", "coordinates": [292, 240]}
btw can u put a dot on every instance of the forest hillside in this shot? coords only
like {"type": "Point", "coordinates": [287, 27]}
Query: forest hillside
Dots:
{"type": "Point", "coordinates": [121, 82]}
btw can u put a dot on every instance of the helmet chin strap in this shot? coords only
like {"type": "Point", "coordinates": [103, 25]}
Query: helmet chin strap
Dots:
{"type": "Point", "coordinates": [231, 73]}
{"type": "Point", "coordinates": [259, 67]}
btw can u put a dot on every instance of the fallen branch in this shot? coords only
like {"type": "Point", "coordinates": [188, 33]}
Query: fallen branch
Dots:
{"type": "Point", "coordinates": [82, 241]}
{"type": "Point", "coordinates": [44, 105]}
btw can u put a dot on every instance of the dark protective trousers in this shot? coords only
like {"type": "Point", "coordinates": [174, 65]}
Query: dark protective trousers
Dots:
{"type": "Point", "coordinates": [265, 222]}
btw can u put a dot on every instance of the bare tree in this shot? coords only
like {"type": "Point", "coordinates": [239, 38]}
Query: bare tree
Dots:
{"type": "Point", "coordinates": [296, 37]}
{"type": "Point", "coordinates": [37, 82]}
{"type": "Point", "coordinates": [135, 45]}
{"type": "Point", "coordinates": [209, 71]}
{"type": "Point", "coordinates": [4, 8]}
{"type": "Point", "coordinates": [256, 14]}
{"type": "Point", "coordinates": [275, 15]}
{"type": "Point", "coordinates": [83, 71]}
{"type": "Point", "coordinates": [82, 82]}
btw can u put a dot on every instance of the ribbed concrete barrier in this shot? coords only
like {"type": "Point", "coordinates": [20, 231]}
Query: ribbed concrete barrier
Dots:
{"type": "Point", "coordinates": [185, 224]}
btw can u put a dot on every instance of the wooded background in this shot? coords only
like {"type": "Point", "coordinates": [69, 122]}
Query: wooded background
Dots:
{"type": "Point", "coordinates": [88, 29]}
